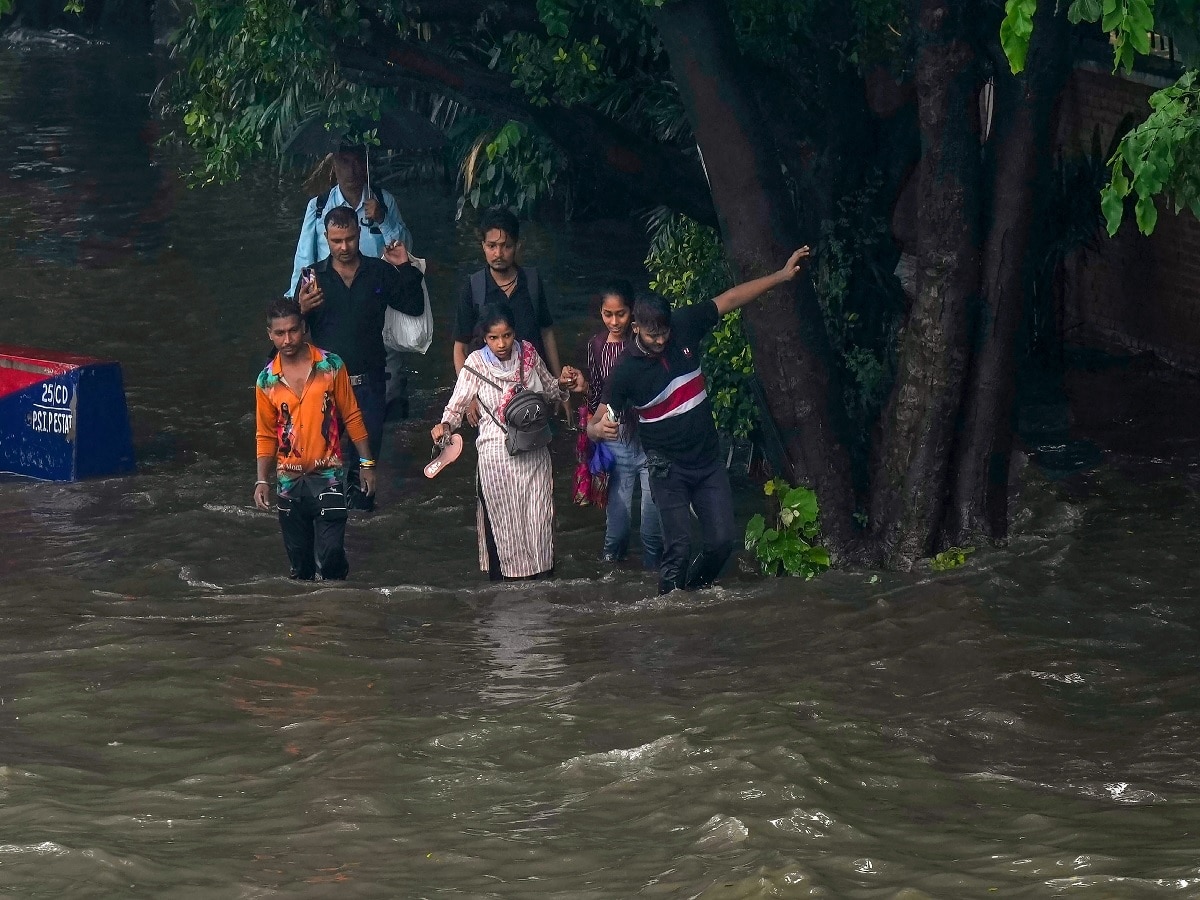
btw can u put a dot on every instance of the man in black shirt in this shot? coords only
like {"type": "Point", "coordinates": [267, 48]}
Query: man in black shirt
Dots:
{"type": "Point", "coordinates": [343, 298]}
{"type": "Point", "coordinates": [502, 280]}
{"type": "Point", "coordinates": [659, 379]}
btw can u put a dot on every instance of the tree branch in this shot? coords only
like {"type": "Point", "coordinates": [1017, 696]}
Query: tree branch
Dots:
{"type": "Point", "coordinates": [652, 174]}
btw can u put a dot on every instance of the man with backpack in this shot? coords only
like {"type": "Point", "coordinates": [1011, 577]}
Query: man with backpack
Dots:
{"type": "Point", "coordinates": [501, 280]}
{"type": "Point", "coordinates": [379, 225]}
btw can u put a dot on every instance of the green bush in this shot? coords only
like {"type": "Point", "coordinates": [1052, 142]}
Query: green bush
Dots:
{"type": "Point", "coordinates": [950, 558]}
{"type": "Point", "coordinates": [789, 545]}
{"type": "Point", "coordinates": [687, 265]}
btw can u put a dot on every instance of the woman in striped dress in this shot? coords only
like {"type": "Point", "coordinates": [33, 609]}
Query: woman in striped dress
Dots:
{"type": "Point", "coordinates": [515, 516]}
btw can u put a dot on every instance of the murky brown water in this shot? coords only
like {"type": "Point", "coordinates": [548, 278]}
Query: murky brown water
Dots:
{"type": "Point", "coordinates": [179, 720]}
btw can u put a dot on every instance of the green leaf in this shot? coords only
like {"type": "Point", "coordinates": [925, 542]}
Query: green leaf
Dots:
{"type": "Point", "coordinates": [1119, 183]}
{"type": "Point", "coordinates": [1084, 11]}
{"type": "Point", "coordinates": [804, 501]}
{"type": "Point", "coordinates": [1147, 214]}
{"type": "Point", "coordinates": [1114, 14]}
{"type": "Point", "coordinates": [754, 530]}
{"type": "Point", "coordinates": [1113, 206]}
{"type": "Point", "coordinates": [1139, 40]}
{"type": "Point", "coordinates": [1139, 18]}
{"type": "Point", "coordinates": [1016, 30]}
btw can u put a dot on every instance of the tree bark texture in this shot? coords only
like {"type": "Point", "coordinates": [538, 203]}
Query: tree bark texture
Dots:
{"type": "Point", "coordinates": [1020, 152]}
{"type": "Point", "coordinates": [909, 488]}
{"type": "Point", "coordinates": [792, 355]}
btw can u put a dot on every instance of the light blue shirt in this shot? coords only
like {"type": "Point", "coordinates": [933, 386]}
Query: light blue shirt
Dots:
{"type": "Point", "coordinates": [312, 246]}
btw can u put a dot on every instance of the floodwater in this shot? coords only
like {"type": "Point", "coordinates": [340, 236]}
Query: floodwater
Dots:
{"type": "Point", "coordinates": [177, 719]}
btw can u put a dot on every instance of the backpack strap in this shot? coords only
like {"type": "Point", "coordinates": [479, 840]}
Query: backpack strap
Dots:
{"type": "Point", "coordinates": [478, 289]}
{"type": "Point", "coordinates": [533, 281]}
{"type": "Point", "coordinates": [479, 286]}
{"type": "Point", "coordinates": [322, 199]}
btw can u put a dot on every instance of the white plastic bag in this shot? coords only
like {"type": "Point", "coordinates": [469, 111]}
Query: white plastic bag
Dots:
{"type": "Point", "coordinates": [413, 334]}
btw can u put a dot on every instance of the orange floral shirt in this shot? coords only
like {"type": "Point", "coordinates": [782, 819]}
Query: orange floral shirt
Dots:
{"type": "Point", "coordinates": [304, 433]}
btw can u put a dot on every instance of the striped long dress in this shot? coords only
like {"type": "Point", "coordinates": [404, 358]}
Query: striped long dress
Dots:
{"type": "Point", "coordinates": [517, 491]}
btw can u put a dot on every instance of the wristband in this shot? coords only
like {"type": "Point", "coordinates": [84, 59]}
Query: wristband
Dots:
{"type": "Point", "coordinates": [257, 483]}
{"type": "Point", "coordinates": [366, 463]}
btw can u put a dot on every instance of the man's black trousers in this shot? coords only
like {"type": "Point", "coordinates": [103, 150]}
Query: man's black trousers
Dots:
{"type": "Point", "coordinates": [312, 518]}
{"type": "Point", "coordinates": [705, 489]}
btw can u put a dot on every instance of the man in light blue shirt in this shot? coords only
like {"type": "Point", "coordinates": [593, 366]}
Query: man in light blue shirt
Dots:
{"type": "Point", "coordinates": [376, 207]}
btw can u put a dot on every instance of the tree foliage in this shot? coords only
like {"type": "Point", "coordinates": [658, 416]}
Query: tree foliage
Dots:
{"type": "Point", "coordinates": [251, 72]}
{"type": "Point", "coordinates": [1158, 158]}
{"type": "Point", "coordinates": [1129, 22]}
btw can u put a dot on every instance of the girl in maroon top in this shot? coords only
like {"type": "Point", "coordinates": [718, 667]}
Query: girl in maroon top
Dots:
{"type": "Point", "coordinates": [629, 461]}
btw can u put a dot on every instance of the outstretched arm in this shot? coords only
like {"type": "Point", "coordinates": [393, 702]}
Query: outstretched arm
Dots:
{"type": "Point", "coordinates": [741, 294]}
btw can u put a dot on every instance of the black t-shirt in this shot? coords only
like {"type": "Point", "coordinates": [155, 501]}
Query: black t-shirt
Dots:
{"type": "Point", "coordinates": [667, 391]}
{"type": "Point", "coordinates": [532, 314]}
{"type": "Point", "coordinates": [350, 321]}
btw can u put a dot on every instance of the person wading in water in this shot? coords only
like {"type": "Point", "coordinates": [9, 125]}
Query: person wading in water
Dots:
{"type": "Point", "coordinates": [658, 379]}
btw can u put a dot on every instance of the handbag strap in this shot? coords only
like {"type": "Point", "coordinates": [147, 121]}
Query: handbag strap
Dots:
{"type": "Point", "coordinates": [478, 374]}
{"type": "Point", "coordinates": [520, 382]}
{"type": "Point", "coordinates": [491, 415]}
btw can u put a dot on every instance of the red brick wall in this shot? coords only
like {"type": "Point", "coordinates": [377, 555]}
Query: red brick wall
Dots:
{"type": "Point", "coordinates": [1132, 292]}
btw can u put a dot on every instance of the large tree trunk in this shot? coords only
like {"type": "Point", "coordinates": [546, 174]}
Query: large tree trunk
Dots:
{"type": "Point", "coordinates": [786, 330]}
{"type": "Point", "coordinates": [909, 488]}
{"type": "Point", "coordinates": [1021, 151]}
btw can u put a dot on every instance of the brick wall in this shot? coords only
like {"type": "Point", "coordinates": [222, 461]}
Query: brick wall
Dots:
{"type": "Point", "coordinates": [1132, 292]}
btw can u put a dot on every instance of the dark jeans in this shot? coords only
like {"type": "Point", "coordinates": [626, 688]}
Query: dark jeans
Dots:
{"type": "Point", "coordinates": [312, 517]}
{"type": "Point", "coordinates": [372, 400]}
{"type": "Point", "coordinates": [706, 489]}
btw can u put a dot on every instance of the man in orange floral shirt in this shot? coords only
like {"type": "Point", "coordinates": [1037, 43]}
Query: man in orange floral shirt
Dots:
{"type": "Point", "coordinates": [303, 397]}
